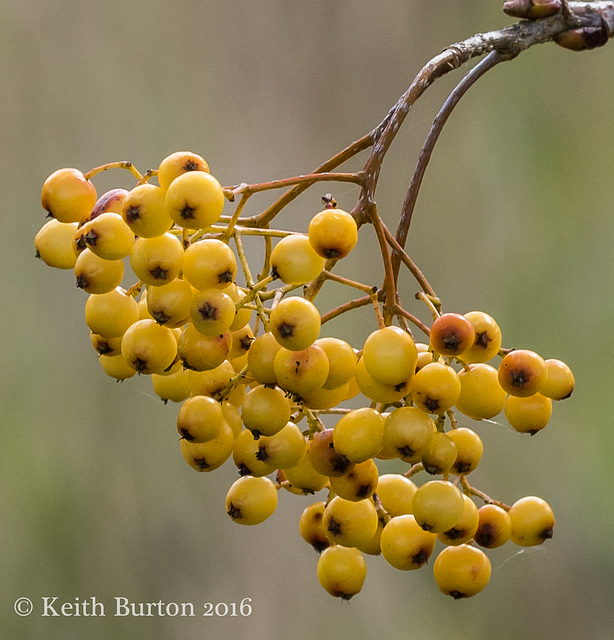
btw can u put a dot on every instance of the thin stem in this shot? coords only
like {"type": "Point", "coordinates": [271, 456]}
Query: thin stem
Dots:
{"type": "Point", "coordinates": [472, 491]}
{"type": "Point", "coordinates": [491, 60]}
{"type": "Point", "coordinates": [399, 311]}
{"type": "Point", "coordinates": [399, 252]}
{"type": "Point", "coordinates": [348, 306]}
{"type": "Point", "coordinates": [124, 164]}
{"type": "Point", "coordinates": [310, 178]}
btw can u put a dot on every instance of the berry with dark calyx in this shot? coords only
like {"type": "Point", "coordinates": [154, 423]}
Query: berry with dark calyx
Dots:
{"type": "Point", "coordinates": [532, 521]}
{"type": "Point", "coordinates": [294, 261]}
{"type": "Point", "coordinates": [333, 233]}
{"type": "Point", "coordinates": [53, 244]}
{"type": "Point", "coordinates": [350, 523]}
{"type": "Point", "coordinates": [342, 571]}
{"type": "Point", "coordinates": [359, 483]}
{"type": "Point", "coordinates": [295, 322]}
{"type": "Point", "coordinates": [301, 372]}
{"type": "Point", "coordinates": [311, 528]}
{"type": "Point", "coordinates": [144, 211]}
{"type": "Point", "coordinates": [324, 458]}
{"type": "Point", "coordinates": [522, 372]}
{"type": "Point", "coordinates": [494, 527]}
{"type": "Point", "coordinates": [451, 334]}
{"type": "Point", "coordinates": [405, 545]}
{"type": "Point", "coordinates": [177, 164]}
{"type": "Point", "coordinates": [560, 382]}
{"type": "Point", "coordinates": [251, 500]}
{"type": "Point", "coordinates": [487, 341]}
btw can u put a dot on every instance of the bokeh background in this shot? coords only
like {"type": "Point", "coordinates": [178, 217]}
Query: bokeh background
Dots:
{"type": "Point", "coordinates": [515, 218]}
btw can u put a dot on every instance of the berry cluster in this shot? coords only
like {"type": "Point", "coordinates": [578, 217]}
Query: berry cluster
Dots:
{"type": "Point", "coordinates": [259, 384]}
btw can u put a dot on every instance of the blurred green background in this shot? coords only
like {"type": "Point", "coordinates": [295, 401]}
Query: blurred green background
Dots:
{"type": "Point", "coordinates": [515, 218]}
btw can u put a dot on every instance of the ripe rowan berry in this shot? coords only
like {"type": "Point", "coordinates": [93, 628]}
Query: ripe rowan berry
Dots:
{"type": "Point", "coordinates": [144, 211]}
{"type": "Point", "coordinates": [451, 334]}
{"type": "Point", "coordinates": [522, 373]}
{"type": "Point", "coordinates": [251, 500]}
{"type": "Point", "coordinates": [462, 571]}
{"type": "Point", "coordinates": [390, 355]}
{"type": "Point", "coordinates": [333, 233]}
{"type": "Point", "coordinates": [342, 571]}
{"type": "Point", "coordinates": [68, 196]}
{"type": "Point", "coordinates": [195, 200]}
{"type": "Point", "coordinates": [294, 261]}
{"type": "Point", "coordinates": [405, 545]}
{"type": "Point", "coordinates": [177, 164]}
{"type": "Point", "coordinates": [295, 323]}
{"type": "Point", "coordinates": [532, 521]}
{"type": "Point", "coordinates": [53, 244]}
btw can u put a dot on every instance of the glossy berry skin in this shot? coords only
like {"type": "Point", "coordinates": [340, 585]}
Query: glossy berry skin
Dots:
{"type": "Point", "coordinates": [301, 372]}
{"type": "Point", "coordinates": [439, 455]}
{"type": "Point", "coordinates": [481, 396]}
{"type": "Point", "coordinates": [396, 493]}
{"type": "Point", "coordinates": [387, 393]}
{"type": "Point", "coordinates": [405, 545]}
{"type": "Point", "coordinates": [350, 523]}
{"type": "Point", "coordinates": [211, 455]}
{"type": "Point", "coordinates": [342, 361]}
{"type": "Point", "coordinates": [157, 261]}
{"type": "Point", "coordinates": [324, 458]}
{"type": "Point", "coordinates": [342, 571]}
{"type": "Point", "coordinates": [408, 431]}
{"type": "Point", "coordinates": [200, 419]}
{"type": "Point", "coordinates": [295, 323]}
{"type": "Point", "coordinates": [265, 410]}
{"type": "Point", "coordinates": [284, 449]}
{"type": "Point", "coordinates": [390, 355]}
{"type": "Point", "coordinates": [178, 163]}
{"type": "Point", "coordinates": [532, 521]}
{"type": "Point", "coordinates": [195, 200]}
{"type": "Point", "coordinates": [560, 382]}
{"type": "Point", "coordinates": [144, 211]}
{"type": "Point", "coordinates": [462, 571]}
{"type": "Point", "coordinates": [200, 352]}
{"type": "Point", "coordinates": [247, 458]}
{"type": "Point", "coordinates": [251, 500]}
{"type": "Point", "coordinates": [464, 530]}
{"type": "Point", "coordinates": [333, 233]}
{"type": "Point", "coordinates": [260, 358]}
{"type": "Point", "coordinates": [487, 341]}
{"type": "Point", "coordinates": [528, 415]}
{"type": "Point", "coordinates": [522, 373]}
{"type": "Point", "coordinates": [109, 237]}
{"type": "Point", "coordinates": [435, 388]}
{"type": "Point", "coordinates": [212, 311]}
{"type": "Point", "coordinates": [149, 347]}
{"type": "Point", "coordinates": [110, 314]}
{"type": "Point", "coordinates": [53, 244]}
{"type": "Point", "coordinates": [469, 450]}
{"type": "Point", "coordinates": [68, 196]}
{"type": "Point", "coordinates": [116, 367]}
{"type": "Point", "coordinates": [358, 483]}
{"type": "Point", "coordinates": [303, 478]}
{"type": "Point", "coordinates": [169, 304]}
{"type": "Point", "coordinates": [451, 334]}
{"type": "Point", "coordinates": [494, 527]}
{"type": "Point", "coordinates": [438, 506]}
{"type": "Point", "coordinates": [209, 263]}
{"type": "Point", "coordinates": [172, 386]}
{"type": "Point", "coordinates": [211, 382]}
{"type": "Point", "coordinates": [311, 528]}
{"type": "Point", "coordinates": [294, 261]}
{"type": "Point", "coordinates": [97, 275]}
{"type": "Point", "coordinates": [359, 434]}
{"type": "Point", "coordinates": [110, 201]}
